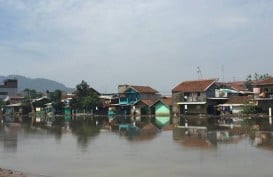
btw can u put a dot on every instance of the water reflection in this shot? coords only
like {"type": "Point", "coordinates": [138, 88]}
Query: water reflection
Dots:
{"type": "Point", "coordinates": [146, 133]}
{"type": "Point", "coordinates": [84, 130]}
{"type": "Point", "coordinates": [162, 121]}
{"type": "Point", "coordinates": [84, 146]}
{"type": "Point", "coordinates": [9, 136]}
{"type": "Point", "coordinates": [207, 133]}
{"type": "Point", "coordinates": [262, 134]}
{"type": "Point", "coordinates": [198, 138]}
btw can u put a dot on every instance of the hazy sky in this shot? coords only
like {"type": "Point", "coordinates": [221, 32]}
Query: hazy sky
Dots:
{"type": "Point", "coordinates": [159, 43]}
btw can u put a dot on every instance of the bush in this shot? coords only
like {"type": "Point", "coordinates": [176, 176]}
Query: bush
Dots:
{"type": "Point", "coordinates": [249, 109]}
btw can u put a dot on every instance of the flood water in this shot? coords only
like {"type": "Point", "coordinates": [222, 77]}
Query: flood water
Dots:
{"type": "Point", "coordinates": [80, 148]}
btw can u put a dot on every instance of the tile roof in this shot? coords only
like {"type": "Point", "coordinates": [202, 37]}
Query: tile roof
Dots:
{"type": "Point", "coordinates": [148, 102]}
{"type": "Point", "coordinates": [238, 87]}
{"type": "Point", "coordinates": [268, 81]}
{"type": "Point", "coordinates": [143, 89]}
{"type": "Point", "coordinates": [195, 85]}
{"type": "Point", "coordinates": [168, 100]}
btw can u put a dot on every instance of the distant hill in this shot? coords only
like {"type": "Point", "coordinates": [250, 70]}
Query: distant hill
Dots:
{"type": "Point", "coordinates": [38, 84]}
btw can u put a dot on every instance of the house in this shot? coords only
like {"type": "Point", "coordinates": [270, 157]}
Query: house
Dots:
{"type": "Point", "coordinates": [15, 108]}
{"type": "Point", "coordinates": [9, 88]}
{"type": "Point", "coordinates": [14, 99]}
{"type": "Point", "coordinates": [237, 88]}
{"type": "Point", "coordinates": [196, 97]}
{"type": "Point", "coordinates": [143, 107]}
{"type": "Point", "coordinates": [108, 103]}
{"type": "Point", "coordinates": [235, 104]}
{"type": "Point", "coordinates": [163, 106]}
{"type": "Point", "coordinates": [263, 93]}
{"type": "Point", "coordinates": [162, 109]}
{"type": "Point", "coordinates": [129, 95]}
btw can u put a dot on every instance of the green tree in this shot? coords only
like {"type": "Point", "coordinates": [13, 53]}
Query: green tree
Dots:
{"type": "Point", "coordinates": [82, 89]}
{"type": "Point", "coordinates": [86, 98]}
{"type": "Point", "coordinates": [257, 77]}
{"type": "Point", "coordinates": [31, 93]}
{"type": "Point", "coordinates": [55, 96]}
{"type": "Point", "coordinates": [56, 99]}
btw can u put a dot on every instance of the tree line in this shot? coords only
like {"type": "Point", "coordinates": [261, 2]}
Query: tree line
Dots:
{"type": "Point", "coordinates": [85, 98]}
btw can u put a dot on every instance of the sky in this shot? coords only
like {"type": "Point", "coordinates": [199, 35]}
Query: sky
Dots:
{"type": "Point", "coordinates": [157, 43]}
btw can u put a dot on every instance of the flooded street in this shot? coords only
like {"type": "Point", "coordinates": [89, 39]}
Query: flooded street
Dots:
{"type": "Point", "coordinates": [82, 149]}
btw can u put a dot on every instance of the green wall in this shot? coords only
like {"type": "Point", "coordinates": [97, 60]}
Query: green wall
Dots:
{"type": "Point", "coordinates": [162, 109]}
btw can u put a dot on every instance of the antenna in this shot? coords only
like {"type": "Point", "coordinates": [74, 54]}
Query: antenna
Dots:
{"type": "Point", "coordinates": [199, 73]}
{"type": "Point", "coordinates": [223, 75]}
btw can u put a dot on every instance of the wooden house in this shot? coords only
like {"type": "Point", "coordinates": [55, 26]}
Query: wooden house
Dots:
{"type": "Point", "coordinates": [196, 97]}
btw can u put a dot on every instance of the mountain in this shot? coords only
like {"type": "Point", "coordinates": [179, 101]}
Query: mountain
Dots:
{"type": "Point", "coordinates": [39, 84]}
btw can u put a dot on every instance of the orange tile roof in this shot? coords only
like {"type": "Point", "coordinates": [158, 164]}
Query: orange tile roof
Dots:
{"type": "Point", "coordinates": [194, 86]}
{"type": "Point", "coordinates": [143, 89]}
{"type": "Point", "coordinates": [268, 81]}
{"type": "Point", "coordinates": [168, 101]}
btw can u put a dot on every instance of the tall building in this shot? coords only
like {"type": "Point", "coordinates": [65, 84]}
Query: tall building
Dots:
{"type": "Point", "coordinates": [9, 88]}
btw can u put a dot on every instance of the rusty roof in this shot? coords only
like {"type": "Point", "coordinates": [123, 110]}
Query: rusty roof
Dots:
{"type": "Point", "coordinates": [268, 81]}
{"type": "Point", "coordinates": [239, 100]}
{"type": "Point", "coordinates": [194, 86]}
{"type": "Point", "coordinates": [143, 89]}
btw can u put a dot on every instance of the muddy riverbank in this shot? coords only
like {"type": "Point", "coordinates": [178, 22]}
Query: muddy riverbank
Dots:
{"type": "Point", "coordinates": [12, 173]}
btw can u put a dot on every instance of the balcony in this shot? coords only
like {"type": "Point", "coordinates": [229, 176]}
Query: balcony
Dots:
{"type": "Point", "coordinates": [194, 99]}
{"type": "Point", "coordinates": [126, 101]}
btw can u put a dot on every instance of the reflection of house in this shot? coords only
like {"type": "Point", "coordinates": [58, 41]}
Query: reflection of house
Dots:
{"type": "Point", "coordinates": [196, 97]}
{"type": "Point", "coordinates": [198, 138]}
{"type": "Point", "coordinates": [9, 88]}
{"type": "Point", "coordinates": [263, 93]}
{"type": "Point", "coordinates": [264, 139]}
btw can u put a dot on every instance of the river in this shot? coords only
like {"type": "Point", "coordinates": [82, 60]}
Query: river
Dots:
{"type": "Point", "coordinates": [79, 148]}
